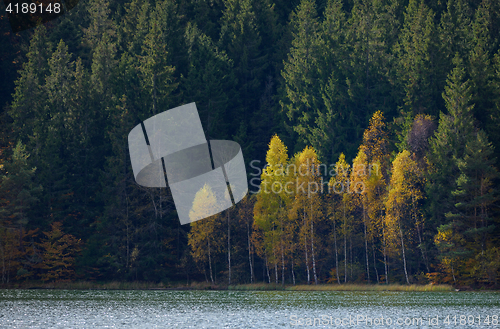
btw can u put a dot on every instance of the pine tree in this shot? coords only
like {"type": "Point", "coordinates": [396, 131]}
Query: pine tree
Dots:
{"type": "Point", "coordinates": [117, 184]}
{"type": "Point", "coordinates": [447, 147]}
{"type": "Point", "coordinates": [8, 64]}
{"type": "Point", "coordinates": [448, 143]}
{"type": "Point", "coordinates": [208, 82]}
{"type": "Point", "coordinates": [369, 38]}
{"type": "Point", "coordinates": [100, 23]}
{"type": "Point", "coordinates": [300, 73]}
{"type": "Point", "coordinates": [103, 68]}
{"type": "Point", "coordinates": [206, 15]}
{"type": "Point", "coordinates": [18, 192]}
{"type": "Point", "coordinates": [455, 31]}
{"type": "Point", "coordinates": [93, 94]}
{"type": "Point", "coordinates": [241, 39]}
{"type": "Point", "coordinates": [156, 74]}
{"type": "Point", "coordinates": [416, 61]}
{"type": "Point", "coordinates": [135, 26]}
{"type": "Point", "coordinates": [167, 15]}
{"type": "Point", "coordinates": [475, 196]}
{"type": "Point", "coordinates": [29, 98]}
{"type": "Point", "coordinates": [482, 72]}
{"type": "Point", "coordinates": [332, 122]}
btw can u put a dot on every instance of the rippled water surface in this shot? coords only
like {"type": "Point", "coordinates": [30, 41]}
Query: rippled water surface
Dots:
{"type": "Point", "coordinates": [235, 309]}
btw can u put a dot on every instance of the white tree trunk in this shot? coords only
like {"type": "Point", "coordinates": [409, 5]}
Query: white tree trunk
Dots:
{"type": "Point", "coordinates": [404, 256]}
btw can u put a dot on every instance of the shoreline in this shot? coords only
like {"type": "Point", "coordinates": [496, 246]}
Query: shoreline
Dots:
{"type": "Point", "coordinates": [115, 285]}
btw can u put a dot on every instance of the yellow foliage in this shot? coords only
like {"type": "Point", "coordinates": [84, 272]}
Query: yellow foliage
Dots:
{"type": "Point", "coordinates": [59, 251]}
{"type": "Point", "coordinates": [375, 139]}
{"type": "Point", "coordinates": [271, 225]}
{"type": "Point", "coordinates": [204, 204]}
{"type": "Point", "coordinates": [277, 155]}
{"type": "Point", "coordinates": [402, 212]}
{"type": "Point", "coordinates": [201, 237]}
{"type": "Point", "coordinates": [443, 236]}
{"type": "Point", "coordinates": [359, 175]}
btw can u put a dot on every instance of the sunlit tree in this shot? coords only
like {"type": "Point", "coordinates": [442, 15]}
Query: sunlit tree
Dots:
{"type": "Point", "coordinates": [203, 238]}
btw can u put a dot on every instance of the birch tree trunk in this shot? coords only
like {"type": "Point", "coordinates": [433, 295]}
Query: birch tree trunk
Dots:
{"type": "Point", "coordinates": [312, 248]}
{"type": "Point", "coordinates": [210, 262]}
{"type": "Point", "coordinates": [404, 256]}
{"type": "Point", "coordinates": [250, 253]}
{"type": "Point", "coordinates": [366, 245]}
{"type": "Point", "coordinates": [305, 248]}
{"type": "Point", "coordinates": [336, 251]}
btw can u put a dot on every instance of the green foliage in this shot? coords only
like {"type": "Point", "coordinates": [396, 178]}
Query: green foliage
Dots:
{"type": "Point", "coordinates": [210, 78]}
{"type": "Point", "coordinates": [300, 72]}
{"type": "Point", "coordinates": [448, 143]}
{"type": "Point", "coordinates": [18, 192]}
{"type": "Point", "coordinates": [416, 63]}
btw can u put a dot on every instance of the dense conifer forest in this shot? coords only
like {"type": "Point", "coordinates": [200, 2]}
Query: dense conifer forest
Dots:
{"type": "Point", "coordinates": [390, 107]}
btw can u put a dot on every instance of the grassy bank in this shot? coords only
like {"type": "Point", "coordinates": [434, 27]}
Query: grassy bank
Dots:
{"type": "Point", "coordinates": [257, 286]}
{"type": "Point", "coordinates": [116, 285]}
{"type": "Point", "coordinates": [344, 287]}
{"type": "Point", "coordinates": [90, 285]}
{"type": "Point", "coordinates": [371, 287]}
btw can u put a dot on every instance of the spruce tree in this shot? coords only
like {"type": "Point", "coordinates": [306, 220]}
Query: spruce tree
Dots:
{"type": "Point", "coordinates": [416, 53]}
{"type": "Point", "coordinates": [455, 31]}
{"type": "Point", "coordinates": [135, 26]}
{"type": "Point", "coordinates": [482, 72]}
{"type": "Point", "coordinates": [448, 146]}
{"type": "Point", "coordinates": [332, 129]}
{"type": "Point", "coordinates": [475, 196]}
{"type": "Point", "coordinates": [208, 83]}
{"type": "Point", "coordinates": [301, 90]}
{"type": "Point", "coordinates": [54, 156]}
{"type": "Point", "coordinates": [18, 191]}
{"type": "Point", "coordinates": [369, 37]}
{"type": "Point", "coordinates": [241, 39]}
{"type": "Point", "coordinates": [100, 23]}
{"type": "Point", "coordinates": [157, 80]}
{"type": "Point", "coordinates": [27, 108]}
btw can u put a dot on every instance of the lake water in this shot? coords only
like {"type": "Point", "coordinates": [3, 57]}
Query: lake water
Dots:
{"type": "Point", "coordinates": [246, 309]}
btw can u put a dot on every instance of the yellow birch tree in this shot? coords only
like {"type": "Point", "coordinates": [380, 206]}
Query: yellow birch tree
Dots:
{"type": "Point", "coordinates": [307, 204]}
{"type": "Point", "coordinates": [270, 208]}
{"type": "Point", "coordinates": [401, 211]}
{"type": "Point", "coordinates": [338, 211]}
{"type": "Point", "coordinates": [202, 238]}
